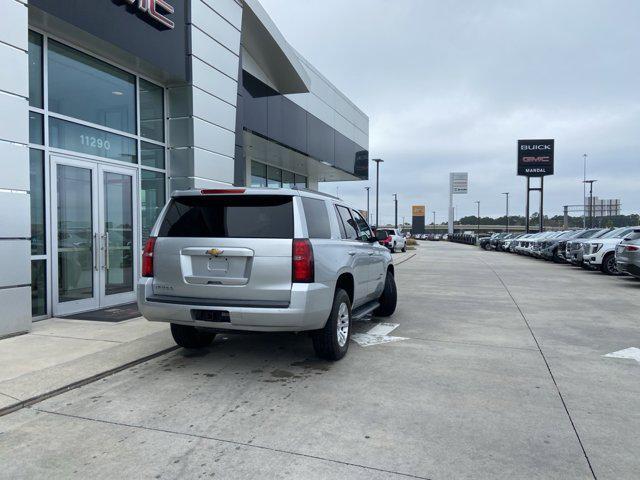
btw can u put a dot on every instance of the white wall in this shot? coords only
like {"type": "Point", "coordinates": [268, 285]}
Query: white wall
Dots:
{"type": "Point", "coordinates": [15, 215]}
{"type": "Point", "coordinates": [202, 115]}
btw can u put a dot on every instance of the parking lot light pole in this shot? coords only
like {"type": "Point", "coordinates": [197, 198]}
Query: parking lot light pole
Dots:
{"type": "Point", "coordinates": [507, 195]}
{"type": "Point", "coordinates": [590, 182]}
{"type": "Point", "coordinates": [434, 222]}
{"type": "Point", "coordinates": [478, 232]}
{"type": "Point", "coordinates": [395, 201]}
{"type": "Point", "coordinates": [584, 192]}
{"type": "Point", "coordinates": [378, 162]}
{"type": "Point", "coordinates": [368, 211]}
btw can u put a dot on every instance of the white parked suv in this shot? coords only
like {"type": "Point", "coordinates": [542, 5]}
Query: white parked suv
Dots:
{"type": "Point", "coordinates": [394, 240]}
{"type": "Point", "coordinates": [264, 260]}
{"type": "Point", "coordinates": [600, 253]}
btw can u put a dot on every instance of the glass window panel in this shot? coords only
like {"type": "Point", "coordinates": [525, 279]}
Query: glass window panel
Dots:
{"type": "Point", "coordinates": [364, 232]}
{"type": "Point", "coordinates": [72, 136]}
{"type": "Point", "coordinates": [288, 179]}
{"type": "Point", "coordinates": [75, 233]}
{"type": "Point", "coordinates": [274, 177]}
{"type": "Point", "coordinates": [315, 213]}
{"type": "Point", "coordinates": [38, 226]}
{"type": "Point", "coordinates": [84, 87]}
{"type": "Point", "coordinates": [151, 111]}
{"type": "Point", "coordinates": [229, 216]}
{"type": "Point", "coordinates": [153, 198]}
{"type": "Point", "coordinates": [35, 70]}
{"type": "Point", "coordinates": [258, 174]}
{"type": "Point", "coordinates": [36, 128]}
{"type": "Point", "coordinates": [38, 288]}
{"type": "Point", "coordinates": [151, 155]}
{"type": "Point", "coordinates": [118, 225]}
{"type": "Point", "coordinates": [301, 181]}
{"type": "Point", "coordinates": [349, 225]}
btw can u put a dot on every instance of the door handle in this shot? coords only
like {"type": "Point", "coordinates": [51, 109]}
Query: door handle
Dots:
{"type": "Point", "coordinates": [370, 254]}
{"type": "Point", "coordinates": [351, 252]}
{"type": "Point", "coordinates": [106, 251]}
{"type": "Point", "coordinates": [96, 253]}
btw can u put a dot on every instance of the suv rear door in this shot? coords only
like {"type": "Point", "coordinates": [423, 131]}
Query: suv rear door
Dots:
{"type": "Point", "coordinates": [357, 250]}
{"type": "Point", "coordinates": [376, 258]}
{"type": "Point", "coordinates": [229, 247]}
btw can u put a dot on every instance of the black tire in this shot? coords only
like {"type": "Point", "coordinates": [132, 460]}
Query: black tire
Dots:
{"type": "Point", "coordinates": [326, 342]}
{"type": "Point", "coordinates": [389, 298]}
{"type": "Point", "coordinates": [609, 264]}
{"type": "Point", "coordinates": [404, 249]}
{"type": "Point", "coordinates": [555, 258]}
{"type": "Point", "coordinates": [190, 337]}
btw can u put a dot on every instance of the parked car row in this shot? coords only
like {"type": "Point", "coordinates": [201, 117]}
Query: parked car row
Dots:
{"type": "Point", "coordinates": [433, 237]}
{"type": "Point", "coordinates": [467, 238]}
{"type": "Point", "coordinates": [611, 250]}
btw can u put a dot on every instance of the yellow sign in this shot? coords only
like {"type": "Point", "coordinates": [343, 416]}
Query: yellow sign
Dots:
{"type": "Point", "coordinates": [418, 210]}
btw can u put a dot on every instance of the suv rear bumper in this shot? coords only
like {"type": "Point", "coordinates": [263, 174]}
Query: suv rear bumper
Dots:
{"type": "Point", "coordinates": [308, 309]}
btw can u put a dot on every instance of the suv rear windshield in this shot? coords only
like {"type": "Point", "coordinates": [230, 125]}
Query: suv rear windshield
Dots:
{"type": "Point", "coordinates": [229, 216]}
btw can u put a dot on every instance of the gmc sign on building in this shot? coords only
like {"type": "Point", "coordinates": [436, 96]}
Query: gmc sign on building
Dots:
{"type": "Point", "coordinates": [535, 158]}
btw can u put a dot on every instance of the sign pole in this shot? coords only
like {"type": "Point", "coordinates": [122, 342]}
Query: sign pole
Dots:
{"type": "Point", "coordinates": [527, 208]}
{"type": "Point", "coordinates": [451, 213]}
{"type": "Point", "coordinates": [541, 203]}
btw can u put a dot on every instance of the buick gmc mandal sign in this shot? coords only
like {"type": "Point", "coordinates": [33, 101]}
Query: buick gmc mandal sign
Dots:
{"type": "Point", "coordinates": [535, 158]}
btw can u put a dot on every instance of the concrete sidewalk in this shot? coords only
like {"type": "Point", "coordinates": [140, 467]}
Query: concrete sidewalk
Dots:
{"type": "Point", "coordinates": [58, 353]}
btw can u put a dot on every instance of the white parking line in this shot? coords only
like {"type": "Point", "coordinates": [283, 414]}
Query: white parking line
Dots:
{"type": "Point", "coordinates": [377, 335]}
{"type": "Point", "coordinates": [631, 353]}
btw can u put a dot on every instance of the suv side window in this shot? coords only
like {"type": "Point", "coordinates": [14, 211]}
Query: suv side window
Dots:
{"type": "Point", "coordinates": [315, 212]}
{"type": "Point", "coordinates": [349, 225]}
{"type": "Point", "coordinates": [364, 232]}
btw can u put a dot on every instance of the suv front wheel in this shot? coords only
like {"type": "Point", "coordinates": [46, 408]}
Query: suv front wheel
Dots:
{"type": "Point", "coordinates": [190, 337]}
{"type": "Point", "coordinates": [332, 342]}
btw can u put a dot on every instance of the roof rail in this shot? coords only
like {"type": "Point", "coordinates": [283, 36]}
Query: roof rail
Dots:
{"type": "Point", "coordinates": [315, 192]}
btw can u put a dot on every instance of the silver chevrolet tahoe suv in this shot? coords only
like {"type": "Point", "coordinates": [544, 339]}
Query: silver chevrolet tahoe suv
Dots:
{"type": "Point", "coordinates": [264, 260]}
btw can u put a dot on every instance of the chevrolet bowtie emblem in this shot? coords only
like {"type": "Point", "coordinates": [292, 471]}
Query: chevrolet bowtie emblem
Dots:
{"type": "Point", "coordinates": [215, 252]}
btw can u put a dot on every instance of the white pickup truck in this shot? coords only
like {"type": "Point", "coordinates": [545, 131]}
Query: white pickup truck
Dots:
{"type": "Point", "coordinates": [395, 240]}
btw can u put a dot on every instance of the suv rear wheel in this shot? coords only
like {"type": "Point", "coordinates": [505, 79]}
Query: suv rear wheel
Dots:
{"type": "Point", "coordinates": [332, 342]}
{"type": "Point", "coordinates": [388, 299]}
{"type": "Point", "coordinates": [190, 337]}
{"type": "Point", "coordinates": [609, 264]}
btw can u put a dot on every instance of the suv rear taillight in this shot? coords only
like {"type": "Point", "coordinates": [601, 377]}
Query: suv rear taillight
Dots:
{"type": "Point", "coordinates": [302, 266]}
{"type": "Point", "coordinates": [632, 248]}
{"type": "Point", "coordinates": [147, 257]}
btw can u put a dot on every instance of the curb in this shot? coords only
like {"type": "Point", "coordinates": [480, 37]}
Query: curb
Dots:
{"type": "Point", "coordinates": [81, 383]}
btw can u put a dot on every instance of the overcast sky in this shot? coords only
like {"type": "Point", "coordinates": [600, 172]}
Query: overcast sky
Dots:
{"type": "Point", "coordinates": [451, 86]}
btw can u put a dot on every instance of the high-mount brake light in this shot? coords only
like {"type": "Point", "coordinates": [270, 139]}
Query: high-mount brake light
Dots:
{"type": "Point", "coordinates": [224, 191]}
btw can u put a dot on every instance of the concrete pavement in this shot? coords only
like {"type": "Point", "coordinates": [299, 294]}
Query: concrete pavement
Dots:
{"type": "Point", "coordinates": [501, 375]}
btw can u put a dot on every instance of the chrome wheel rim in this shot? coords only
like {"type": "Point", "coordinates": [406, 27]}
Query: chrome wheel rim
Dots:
{"type": "Point", "coordinates": [613, 267]}
{"type": "Point", "coordinates": [343, 324]}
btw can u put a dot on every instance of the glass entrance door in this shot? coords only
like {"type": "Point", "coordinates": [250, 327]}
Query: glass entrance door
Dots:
{"type": "Point", "coordinates": [95, 225]}
{"type": "Point", "coordinates": [118, 238]}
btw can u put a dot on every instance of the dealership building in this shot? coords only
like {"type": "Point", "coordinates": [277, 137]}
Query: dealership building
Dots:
{"type": "Point", "coordinates": [106, 106]}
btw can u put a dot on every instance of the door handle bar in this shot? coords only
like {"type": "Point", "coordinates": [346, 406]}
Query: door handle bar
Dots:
{"type": "Point", "coordinates": [106, 251]}
{"type": "Point", "coordinates": [96, 253]}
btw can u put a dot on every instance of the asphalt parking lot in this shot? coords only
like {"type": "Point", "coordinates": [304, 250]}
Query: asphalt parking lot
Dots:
{"type": "Point", "coordinates": [498, 373]}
